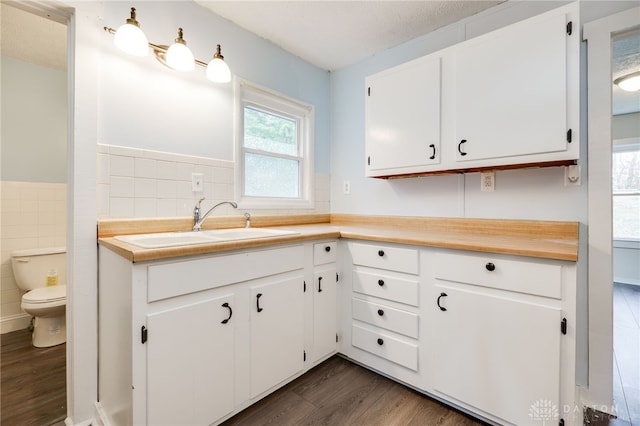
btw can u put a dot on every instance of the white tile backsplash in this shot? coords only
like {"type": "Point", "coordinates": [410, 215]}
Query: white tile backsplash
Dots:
{"type": "Point", "coordinates": [121, 166]}
{"type": "Point", "coordinates": [140, 183]}
{"type": "Point", "coordinates": [145, 168]}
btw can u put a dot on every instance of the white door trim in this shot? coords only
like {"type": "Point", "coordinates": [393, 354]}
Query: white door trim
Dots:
{"type": "Point", "coordinates": [599, 393]}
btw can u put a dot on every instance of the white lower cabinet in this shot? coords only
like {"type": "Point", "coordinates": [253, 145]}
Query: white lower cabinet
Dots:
{"type": "Point", "coordinates": [380, 308]}
{"type": "Point", "coordinates": [496, 353]}
{"type": "Point", "coordinates": [277, 332]}
{"type": "Point", "coordinates": [491, 334]}
{"type": "Point", "coordinates": [193, 341]}
{"type": "Point", "coordinates": [324, 312]}
{"type": "Point", "coordinates": [190, 363]}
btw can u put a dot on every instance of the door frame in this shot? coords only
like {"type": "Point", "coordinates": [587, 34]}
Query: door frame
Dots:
{"type": "Point", "coordinates": [598, 35]}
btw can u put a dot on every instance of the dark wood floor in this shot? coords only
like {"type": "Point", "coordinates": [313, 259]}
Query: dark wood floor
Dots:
{"type": "Point", "coordinates": [32, 382]}
{"type": "Point", "coordinates": [626, 350]}
{"type": "Point", "coordinates": [339, 392]}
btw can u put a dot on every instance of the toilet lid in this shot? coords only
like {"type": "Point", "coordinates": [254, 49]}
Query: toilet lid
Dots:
{"type": "Point", "coordinates": [46, 294]}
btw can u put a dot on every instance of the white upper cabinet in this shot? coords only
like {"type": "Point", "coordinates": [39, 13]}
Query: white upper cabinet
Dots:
{"type": "Point", "coordinates": [403, 117]}
{"type": "Point", "coordinates": [505, 99]}
{"type": "Point", "coordinates": [511, 91]}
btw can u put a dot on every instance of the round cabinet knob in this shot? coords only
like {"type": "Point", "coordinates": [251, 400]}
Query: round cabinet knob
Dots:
{"type": "Point", "coordinates": [380, 342]}
{"type": "Point", "coordinates": [380, 312]}
{"type": "Point", "coordinates": [327, 249]}
{"type": "Point", "coordinates": [380, 283]}
{"type": "Point", "coordinates": [490, 267]}
{"type": "Point", "coordinates": [380, 253]}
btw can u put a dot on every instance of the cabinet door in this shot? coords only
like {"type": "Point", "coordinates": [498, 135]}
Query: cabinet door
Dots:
{"type": "Point", "coordinates": [190, 363]}
{"type": "Point", "coordinates": [324, 312]}
{"type": "Point", "coordinates": [497, 353]}
{"type": "Point", "coordinates": [511, 90]}
{"type": "Point", "coordinates": [403, 117]}
{"type": "Point", "coordinates": [277, 332]}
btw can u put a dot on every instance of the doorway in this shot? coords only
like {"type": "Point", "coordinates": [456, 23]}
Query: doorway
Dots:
{"type": "Point", "coordinates": [625, 170]}
{"type": "Point", "coordinates": [34, 200]}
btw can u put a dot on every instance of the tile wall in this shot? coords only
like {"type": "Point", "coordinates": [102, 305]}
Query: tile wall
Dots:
{"type": "Point", "coordinates": [141, 183]}
{"type": "Point", "coordinates": [32, 215]}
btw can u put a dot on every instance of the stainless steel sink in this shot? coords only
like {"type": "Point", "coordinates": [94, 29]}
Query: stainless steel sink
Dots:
{"type": "Point", "coordinates": [174, 239]}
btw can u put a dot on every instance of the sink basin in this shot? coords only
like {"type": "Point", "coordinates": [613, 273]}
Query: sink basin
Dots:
{"type": "Point", "coordinates": [168, 239]}
{"type": "Point", "coordinates": [172, 239]}
{"type": "Point", "coordinates": [246, 233]}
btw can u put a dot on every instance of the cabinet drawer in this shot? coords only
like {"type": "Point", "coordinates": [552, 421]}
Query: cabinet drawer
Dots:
{"type": "Point", "coordinates": [386, 287]}
{"type": "Point", "coordinates": [383, 316]}
{"type": "Point", "coordinates": [385, 257]}
{"type": "Point", "coordinates": [324, 253]}
{"type": "Point", "coordinates": [385, 346]}
{"type": "Point", "coordinates": [531, 277]}
{"type": "Point", "coordinates": [177, 278]}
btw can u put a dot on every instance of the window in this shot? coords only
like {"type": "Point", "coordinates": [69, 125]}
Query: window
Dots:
{"type": "Point", "coordinates": [275, 147]}
{"type": "Point", "coordinates": [626, 191]}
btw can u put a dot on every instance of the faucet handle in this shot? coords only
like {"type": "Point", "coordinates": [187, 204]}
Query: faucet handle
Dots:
{"type": "Point", "coordinates": [197, 206]}
{"type": "Point", "coordinates": [247, 217]}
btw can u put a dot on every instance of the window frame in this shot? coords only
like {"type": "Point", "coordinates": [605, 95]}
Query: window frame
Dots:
{"type": "Point", "coordinates": [618, 146]}
{"type": "Point", "coordinates": [262, 99]}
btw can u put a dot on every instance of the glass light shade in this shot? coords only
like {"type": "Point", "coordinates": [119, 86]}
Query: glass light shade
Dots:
{"type": "Point", "coordinates": [218, 71]}
{"type": "Point", "coordinates": [179, 57]}
{"type": "Point", "coordinates": [130, 39]}
{"type": "Point", "coordinates": [630, 82]}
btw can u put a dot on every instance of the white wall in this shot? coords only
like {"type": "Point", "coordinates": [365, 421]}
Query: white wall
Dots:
{"type": "Point", "coordinates": [34, 122]}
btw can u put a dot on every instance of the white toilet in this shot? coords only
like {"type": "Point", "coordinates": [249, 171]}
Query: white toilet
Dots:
{"type": "Point", "coordinates": [46, 304]}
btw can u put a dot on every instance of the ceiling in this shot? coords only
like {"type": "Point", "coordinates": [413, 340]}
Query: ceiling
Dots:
{"type": "Point", "coordinates": [330, 34]}
{"type": "Point", "coordinates": [335, 34]}
{"type": "Point", "coordinates": [626, 59]}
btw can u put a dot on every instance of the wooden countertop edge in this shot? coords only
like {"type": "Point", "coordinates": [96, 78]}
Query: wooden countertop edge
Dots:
{"type": "Point", "coordinates": [540, 247]}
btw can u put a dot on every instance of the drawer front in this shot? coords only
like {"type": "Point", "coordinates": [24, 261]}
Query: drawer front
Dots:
{"type": "Point", "coordinates": [531, 277]}
{"type": "Point", "coordinates": [386, 287]}
{"type": "Point", "coordinates": [324, 252]}
{"type": "Point", "coordinates": [177, 278]}
{"type": "Point", "coordinates": [385, 257]}
{"type": "Point", "coordinates": [399, 321]}
{"type": "Point", "coordinates": [385, 346]}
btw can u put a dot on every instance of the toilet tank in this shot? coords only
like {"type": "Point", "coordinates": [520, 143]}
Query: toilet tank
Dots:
{"type": "Point", "coordinates": [31, 267]}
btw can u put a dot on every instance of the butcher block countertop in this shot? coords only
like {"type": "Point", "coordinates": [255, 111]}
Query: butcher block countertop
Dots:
{"type": "Point", "coordinates": [542, 239]}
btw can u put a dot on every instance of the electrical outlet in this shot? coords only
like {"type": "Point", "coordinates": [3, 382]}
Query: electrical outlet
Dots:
{"type": "Point", "coordinates": [346, 187]}
{"type": "Point", "coordinates": [197, 184]}
{"type": "Point", "coordinates": [488, 181]}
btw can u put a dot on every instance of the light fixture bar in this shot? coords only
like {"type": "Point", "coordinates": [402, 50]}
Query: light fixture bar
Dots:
{"type": "Point", "coordinates": [160, 50]}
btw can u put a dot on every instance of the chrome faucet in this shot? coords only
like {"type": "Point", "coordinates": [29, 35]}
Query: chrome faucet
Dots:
{"type": "Point", "coordinates": [197, 219]}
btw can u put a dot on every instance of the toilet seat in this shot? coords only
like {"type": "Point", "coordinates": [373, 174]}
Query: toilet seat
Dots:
{"type": "Point", "coordinates": [42, 295]}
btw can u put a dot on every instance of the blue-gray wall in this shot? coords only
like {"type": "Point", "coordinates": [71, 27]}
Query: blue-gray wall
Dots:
{"type": "Point", "coordinates": [34, 122]}
{"type": "Point", "coordinates": [146, 105]}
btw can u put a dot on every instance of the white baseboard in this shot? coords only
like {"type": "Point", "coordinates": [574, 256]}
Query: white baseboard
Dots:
{"type": "Point", "coordinates": [14, 322]}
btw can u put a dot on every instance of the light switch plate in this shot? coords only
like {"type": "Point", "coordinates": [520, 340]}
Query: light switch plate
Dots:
{"type": "Point", "coordinates": [197, 182]}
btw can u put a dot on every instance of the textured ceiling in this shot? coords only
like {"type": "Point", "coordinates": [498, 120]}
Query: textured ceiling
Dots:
{"type": "Point", "coordinates": [626, 59]}
{"type": "Point", "coordinates": [335, 34]}
{"type": "Point", "coordinates": [33, 39]}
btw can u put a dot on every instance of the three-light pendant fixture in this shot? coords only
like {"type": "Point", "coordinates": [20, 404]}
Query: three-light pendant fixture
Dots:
{"type": "Point", "coordinates": [131, 39]}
